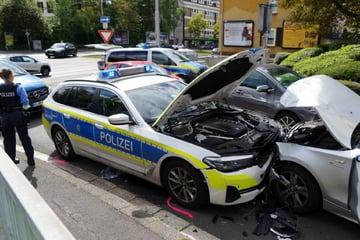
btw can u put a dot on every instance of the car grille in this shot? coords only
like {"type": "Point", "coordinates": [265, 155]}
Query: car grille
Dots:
{"type": "Point", "coordinates": [38, 94]}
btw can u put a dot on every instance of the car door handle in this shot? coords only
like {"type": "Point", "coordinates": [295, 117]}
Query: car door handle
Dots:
{"type": "Point", "coordinates": [239, 91]}
{"type": "Point", "coordinates": [99, 126]}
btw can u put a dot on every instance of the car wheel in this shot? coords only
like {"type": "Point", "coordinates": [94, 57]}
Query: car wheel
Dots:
{"type": "Point", "coordinates": [185, 184]}
{"type": "Point", "coordinates": [296, 188]}
{"type": "Point", "coordinates": [75, 53]}
{"type": "Point", "coordinates": [287, 120]}
{"type": "Point", "coordinates": [63, 144]}
{"type": "Point", "coordinates": [45, 71]}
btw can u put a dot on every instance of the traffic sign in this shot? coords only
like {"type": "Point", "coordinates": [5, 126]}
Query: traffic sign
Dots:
{"type": "Point", "coordinates": [105, 19]}
{"type": "Point", "coordinates": [106, 35]}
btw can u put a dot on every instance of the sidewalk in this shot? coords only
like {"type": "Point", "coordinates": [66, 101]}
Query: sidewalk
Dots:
{"type": "Point", "coordinates": [94, 208]}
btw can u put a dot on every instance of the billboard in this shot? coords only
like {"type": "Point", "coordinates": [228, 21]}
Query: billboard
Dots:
{"type": "Point", "coordinates": [238, 33]}
{"type": "Point", "coordinates": [296, 35]}
{"type": "Point", "coordinates": [121, 37]}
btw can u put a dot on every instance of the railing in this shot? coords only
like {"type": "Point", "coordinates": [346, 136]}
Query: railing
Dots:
{"type": "Point", "coordinates": [23, 212]}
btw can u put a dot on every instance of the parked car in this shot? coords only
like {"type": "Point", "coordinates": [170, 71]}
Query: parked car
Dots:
{"type": "Point", "coordinates": [153, 66]}
{"type": "Point", "coordinates": [184, 138]}
{"type": "Point", "coordinates": [261, 91]}
{"type": "Point", "coordinates": [62, 49]}
{"type": "Point", "coordinates": [319, 163]}
{"type": "Point", "coordinates": [30, 64]}
{"type": "Point", "coordinates": [168, 58]}
{"type": "Point", "coordinates": [36, 88]}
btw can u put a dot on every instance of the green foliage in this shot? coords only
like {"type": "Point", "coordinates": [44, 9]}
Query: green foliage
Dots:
{"type": "Point", "coordinates": [327, 13]}
{"type": "Point", "coordinates": [18, 15]}
{"type": "Point", "coordinates": [339, 64]}
{"type": "Point", "coordinates": [197, 24]}
{"type": "Point", "coordinates": [280, 56]}
{"type": "Point", "coordinates": [301, 55]}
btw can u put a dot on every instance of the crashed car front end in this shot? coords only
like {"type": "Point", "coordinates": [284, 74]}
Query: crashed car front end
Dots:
{"type": "Point", "coordinates": [244, 144]}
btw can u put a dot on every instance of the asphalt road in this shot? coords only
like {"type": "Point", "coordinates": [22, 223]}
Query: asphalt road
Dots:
{"type": "Point", "coordinates": [235, 222]}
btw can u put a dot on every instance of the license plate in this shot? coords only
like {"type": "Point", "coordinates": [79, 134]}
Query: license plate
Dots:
{"type": "Point", "coordinates": [37, 104]}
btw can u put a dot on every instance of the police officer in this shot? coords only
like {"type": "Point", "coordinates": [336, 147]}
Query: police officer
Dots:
{"type": "Point", "coordinates": [13, 103]}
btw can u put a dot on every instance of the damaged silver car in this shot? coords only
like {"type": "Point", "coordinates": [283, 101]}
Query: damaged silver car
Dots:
{"type": "Point", "coordinates": [319, 163]}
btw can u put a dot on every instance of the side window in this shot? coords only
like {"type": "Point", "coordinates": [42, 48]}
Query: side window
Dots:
{"type": "Point", "coordinates": [160, 58]}
{"type": "Point", "coordinates": [62, 94]}
{"type": "Point", "coordinates": [110, 103]}
{"type": "Point", "coordinates": [16, 59]}
{"type": "Point", "coordinates": [137, 55]}
{"type": "Point", "coordinates": [254, 80]}
{"type": "Point", "coordinates": [82, 97]}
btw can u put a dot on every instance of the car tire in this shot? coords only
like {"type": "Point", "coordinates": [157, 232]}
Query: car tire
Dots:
{"type": "Point", "coordinates": [63, 144]}
{"type": "Point", "coordinates": [75, 53]}
{"type": "Point", "coordinates": [45, 71]}
{"type": "Point", "coordinates": [185, 184]}
{"type": "Point", "coordinates": [297, 188]}
{"type": "Point", "coordinates": [287, 120]}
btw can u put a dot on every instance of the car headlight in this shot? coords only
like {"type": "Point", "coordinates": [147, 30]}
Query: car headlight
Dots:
{"type": "Point", "coordinates": [232, 163]}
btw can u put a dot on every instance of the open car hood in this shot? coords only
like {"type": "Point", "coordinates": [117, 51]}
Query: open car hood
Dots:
{"type": "Point", "coordinates": [337, 105]}
{"type": "Point", "coordinates": [217, 83]}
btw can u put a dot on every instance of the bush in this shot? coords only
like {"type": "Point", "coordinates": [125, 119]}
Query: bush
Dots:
{"type": "Point", "coordinates": [280, 56]}
{"type": "Point", "coordinates": [339, 64]}
{"type": "Point", "coordinates": [300, 56]}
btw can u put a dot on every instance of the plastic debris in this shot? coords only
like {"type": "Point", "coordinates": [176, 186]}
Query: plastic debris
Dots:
{"type": "Point", "coordinates": [109, 173]}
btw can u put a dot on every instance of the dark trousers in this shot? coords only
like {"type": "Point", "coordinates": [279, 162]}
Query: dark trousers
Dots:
{"type": "Point", "coordinates": [16, 121]}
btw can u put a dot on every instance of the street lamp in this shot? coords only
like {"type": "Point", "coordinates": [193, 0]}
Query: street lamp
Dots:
{"type": "Point", "coordinates": [157, 22]}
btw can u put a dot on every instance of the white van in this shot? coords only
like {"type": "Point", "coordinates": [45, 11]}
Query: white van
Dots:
{"type": "Point", "coordinates": [175, 62]}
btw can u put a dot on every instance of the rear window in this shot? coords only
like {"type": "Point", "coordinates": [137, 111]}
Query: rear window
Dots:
{"type": "Point", "coordinates": [127, 56]}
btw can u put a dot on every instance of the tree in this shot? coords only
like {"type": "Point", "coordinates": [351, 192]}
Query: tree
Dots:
{"type": "Point", "coordinates": [18, 15]}
{"type": "Point", "coordinates": [334, 16]}
{"type": "Point", "coordinates": [197, 24]}
{"type": "Point", "coordinates": [170, 13]}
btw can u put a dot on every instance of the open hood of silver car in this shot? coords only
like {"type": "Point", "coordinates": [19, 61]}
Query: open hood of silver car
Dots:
{"type": "Point", "coordinates": [337, 105]}
{"type": "Point", "coordinates": [217, 83]}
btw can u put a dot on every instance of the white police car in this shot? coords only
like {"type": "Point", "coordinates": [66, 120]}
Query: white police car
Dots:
{"type": "Point", "coordinates": [185, 138]}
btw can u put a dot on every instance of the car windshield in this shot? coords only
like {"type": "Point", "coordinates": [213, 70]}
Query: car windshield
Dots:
{"type": "Point", "coordinates": [176, 56]}
{"type": "Point", "coordinates": [17, 71]}
{"type": "Point", "coordinates": [284, 76]}
{"type": "Point", "coordinates": [152, 100]}
{"type": "Point", "coordinates": [58, 45]}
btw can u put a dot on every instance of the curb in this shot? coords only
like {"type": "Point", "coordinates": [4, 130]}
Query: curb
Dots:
{"type": "Point", "coordinates": [163, 223]}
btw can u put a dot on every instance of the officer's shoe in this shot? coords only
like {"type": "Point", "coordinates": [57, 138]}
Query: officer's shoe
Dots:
{"type": "Point", "coordinates": [31, 162]}
{"type": "Point", "coordinates": [16, 161]}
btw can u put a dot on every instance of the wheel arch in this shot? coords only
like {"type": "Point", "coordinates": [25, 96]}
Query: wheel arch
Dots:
{"type": "Point", "coordinates": [286, 111]}
{"type": "Point", "coordinates": [304, 168]}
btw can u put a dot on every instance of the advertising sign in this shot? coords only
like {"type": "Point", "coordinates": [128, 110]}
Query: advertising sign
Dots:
{"type": "Point", "coordinates": [238, 33]}
{"type": "Point", "coordinates": [121, 37]}
{"type": "Point", "coordinates": [295, 35]}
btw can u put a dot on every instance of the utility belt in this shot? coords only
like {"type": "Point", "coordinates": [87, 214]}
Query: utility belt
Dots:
{"type": "Point", "coordinates": [11, 109]}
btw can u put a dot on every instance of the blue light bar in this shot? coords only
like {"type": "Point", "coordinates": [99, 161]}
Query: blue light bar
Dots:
{"type": "Point", "coordinates": [126, 71]}
{"type": "Point", "coordinates": [108, 74]}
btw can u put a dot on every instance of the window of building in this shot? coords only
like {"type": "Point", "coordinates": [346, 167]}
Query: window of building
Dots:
{"type": "Point", "coordinates": [274, 6]}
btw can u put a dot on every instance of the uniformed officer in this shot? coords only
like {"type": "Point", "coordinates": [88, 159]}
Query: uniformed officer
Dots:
{"type": "Point", "coordinates": [13, 103]}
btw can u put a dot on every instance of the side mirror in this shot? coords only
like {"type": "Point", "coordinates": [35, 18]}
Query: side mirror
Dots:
{"type": "Point", "coordinates": [264, 88]}
{"type": "Point", "coordinates": [119, 119]}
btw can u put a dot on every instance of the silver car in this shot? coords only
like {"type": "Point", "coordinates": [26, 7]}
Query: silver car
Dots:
{"type": "Point", "coordinates": [30, 64]}
{"type": "Point", "coordinates": [320, 160]}
{"type": "Point", "coordinates": [261, 91]}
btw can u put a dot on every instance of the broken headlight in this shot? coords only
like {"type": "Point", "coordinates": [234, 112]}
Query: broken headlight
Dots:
{"type": "Point", "coordinates": [232, 163]}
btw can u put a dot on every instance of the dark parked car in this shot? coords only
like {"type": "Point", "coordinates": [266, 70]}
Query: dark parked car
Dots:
{"type": "Point", "coordinates": [261, 92]}
{"type": "Point", "coordinates": [61, 50]}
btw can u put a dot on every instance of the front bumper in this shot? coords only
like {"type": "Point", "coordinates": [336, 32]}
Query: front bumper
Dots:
{"type": "Point", "coordinates": [238, 187]}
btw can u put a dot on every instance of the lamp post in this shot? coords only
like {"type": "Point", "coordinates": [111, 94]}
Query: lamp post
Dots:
{"type": "Point", "coordinates": [157, 22]}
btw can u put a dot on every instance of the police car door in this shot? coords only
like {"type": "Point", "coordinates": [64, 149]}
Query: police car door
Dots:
{"type": "Point", "coordinates": [116, 143]}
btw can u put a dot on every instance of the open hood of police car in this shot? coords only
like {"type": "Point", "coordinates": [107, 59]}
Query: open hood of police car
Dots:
{"type": "Point", "coordinates": [217, 83]}
{"type": "Point", "coordinates": [337, 105]}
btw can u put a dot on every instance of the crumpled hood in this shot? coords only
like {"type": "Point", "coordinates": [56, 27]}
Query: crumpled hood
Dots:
{"type": "Point", "coordinates": [217, 83]}
{"type": "Point", "coordinates": [337, 105]}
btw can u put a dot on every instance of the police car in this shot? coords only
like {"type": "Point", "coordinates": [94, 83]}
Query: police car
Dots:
{"type": "Point", "coordinates": [184, 138]}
